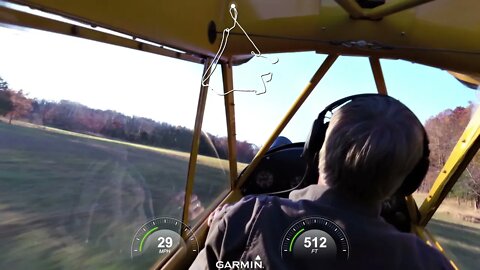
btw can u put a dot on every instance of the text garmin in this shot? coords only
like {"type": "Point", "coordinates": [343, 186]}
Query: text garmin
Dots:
{"type": "Point", "coordinates": [256, 264]}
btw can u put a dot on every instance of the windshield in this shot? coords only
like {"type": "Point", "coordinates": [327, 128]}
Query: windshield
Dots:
{"type": "Point", "coordinates": [95, 142]}
{"type": "Point", "coordinates": [442, 104]}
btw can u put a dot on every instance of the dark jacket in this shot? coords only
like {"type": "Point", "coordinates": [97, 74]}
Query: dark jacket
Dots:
{"type": "Point", "coordinates": [254, 227]}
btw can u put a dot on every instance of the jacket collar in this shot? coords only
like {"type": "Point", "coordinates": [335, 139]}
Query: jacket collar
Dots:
{"type": "Point", "coordinates": [326, 196]}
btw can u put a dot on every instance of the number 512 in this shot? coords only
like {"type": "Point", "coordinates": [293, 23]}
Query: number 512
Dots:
{"type": "Point", "coordinates": [318, 242]}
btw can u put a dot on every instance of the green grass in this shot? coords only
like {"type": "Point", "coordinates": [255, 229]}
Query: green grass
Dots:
{"type": "Point", "coordinates": [461, 243]}
{"type": "Point", "coordinates": [459, 238]}
{"type": "Point", "coordinates": [74, 201]}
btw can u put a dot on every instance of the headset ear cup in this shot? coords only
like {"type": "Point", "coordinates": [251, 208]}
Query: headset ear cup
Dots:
{"type": "Point", "coordinates": [310, 151]}
{"type": "Point", "coordinates": [415, 178]}
{"type": "Point", "coordinates": [314, 141]}
{"type": "Point", "coordinates": [308, 142]}
{"type": "Point", "coordinates": [322, 130]}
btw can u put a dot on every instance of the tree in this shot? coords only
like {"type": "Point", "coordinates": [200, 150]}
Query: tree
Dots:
{"type": "Point", "coordinates": [21, 105]}
{"type": "Point", "coordinates": [444, 130]}
{"type": "Point", "coordinates": [3, 84]}
{"type": "Point", "coordinates": [473, 180]}
{"type": "Point", "coordinates": [5, 103]}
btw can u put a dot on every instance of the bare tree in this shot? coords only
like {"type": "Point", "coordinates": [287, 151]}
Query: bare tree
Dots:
{"type": "Point", "coordinates": [473, 183]}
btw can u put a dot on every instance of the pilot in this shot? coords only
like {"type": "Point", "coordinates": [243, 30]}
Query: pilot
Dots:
{"type": "Point", "coordinates": [371, 145]}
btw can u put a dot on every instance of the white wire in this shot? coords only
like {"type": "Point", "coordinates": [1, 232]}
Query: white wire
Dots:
{"type": "Point", "coordinates": [266, 77]}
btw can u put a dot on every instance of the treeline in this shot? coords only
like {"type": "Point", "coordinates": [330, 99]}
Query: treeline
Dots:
{"type": "Point", "coordinates": [76, 117]}
{"type": "Point", "coordinates": [444, 131]}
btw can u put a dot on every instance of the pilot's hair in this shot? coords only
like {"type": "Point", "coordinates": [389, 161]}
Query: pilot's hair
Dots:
{"type": "Point", "coordinates": [371, 145]}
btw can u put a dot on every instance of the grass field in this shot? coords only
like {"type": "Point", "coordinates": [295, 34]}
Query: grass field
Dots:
{"type": "Point", "coordinates": [461, 243]}
{"type": "Point", "coordinates": [73, 201]}
{"type": "Point", "coordinates": [459, 238]}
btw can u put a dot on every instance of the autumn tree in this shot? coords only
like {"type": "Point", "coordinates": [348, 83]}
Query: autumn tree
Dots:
{"type": "Point", "coordinates": [21, 105]}
{"type": "Point", "coordinates": [444, 130]}
{"type": "Point", "coordinates": [76, 117]}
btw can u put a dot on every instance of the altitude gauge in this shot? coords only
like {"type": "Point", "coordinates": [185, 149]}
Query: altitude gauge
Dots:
{"type": "Point", "coordinates": [314, 241]}
{"type": "Point", "coordinates": [162, 236]}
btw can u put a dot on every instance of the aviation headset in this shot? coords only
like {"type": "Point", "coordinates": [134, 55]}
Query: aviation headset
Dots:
{"type": "Point", "coordinates": [315, 139]}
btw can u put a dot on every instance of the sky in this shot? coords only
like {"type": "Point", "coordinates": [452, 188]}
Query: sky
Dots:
{"type": "Point", "coordinates": [55, 67]}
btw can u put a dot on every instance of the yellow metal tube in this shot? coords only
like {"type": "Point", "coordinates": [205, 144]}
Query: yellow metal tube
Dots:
{"type": "Point", "coordinates": [438, 246]}
{"type": "Point", "coordinates": [14, 17]}
{"type": "Point", "coordinates": [378, 75]}
{"type": "Point", "coordinates": [412, 209]}
{"type": "Point", "coordinates": [227, 74]}
{"type": "Point", "coordinates": [197, 132]}
{"type": "Point", "coordinates": [461, 155]}
{"type": "Point", "coordinates": [322, 70]}
{"type": "Point", "coordinates": [180, 260]}
{"type": "Point", "coordinates": [428, 238]}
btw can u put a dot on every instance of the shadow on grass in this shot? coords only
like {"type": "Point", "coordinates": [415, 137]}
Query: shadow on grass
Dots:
{"type": "Point", "coordinates": [462, 243]}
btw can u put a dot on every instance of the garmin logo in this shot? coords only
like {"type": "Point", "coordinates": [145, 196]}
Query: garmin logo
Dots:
{"type": "Point", "coordinates": [256, 264]}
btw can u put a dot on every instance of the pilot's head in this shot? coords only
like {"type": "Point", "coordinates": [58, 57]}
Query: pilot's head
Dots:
{"type": "Point", "coordinates": [371, 145]}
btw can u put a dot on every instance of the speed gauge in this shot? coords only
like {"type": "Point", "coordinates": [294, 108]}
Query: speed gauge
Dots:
{"type": "Point", "coordinates": [163, 236]}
